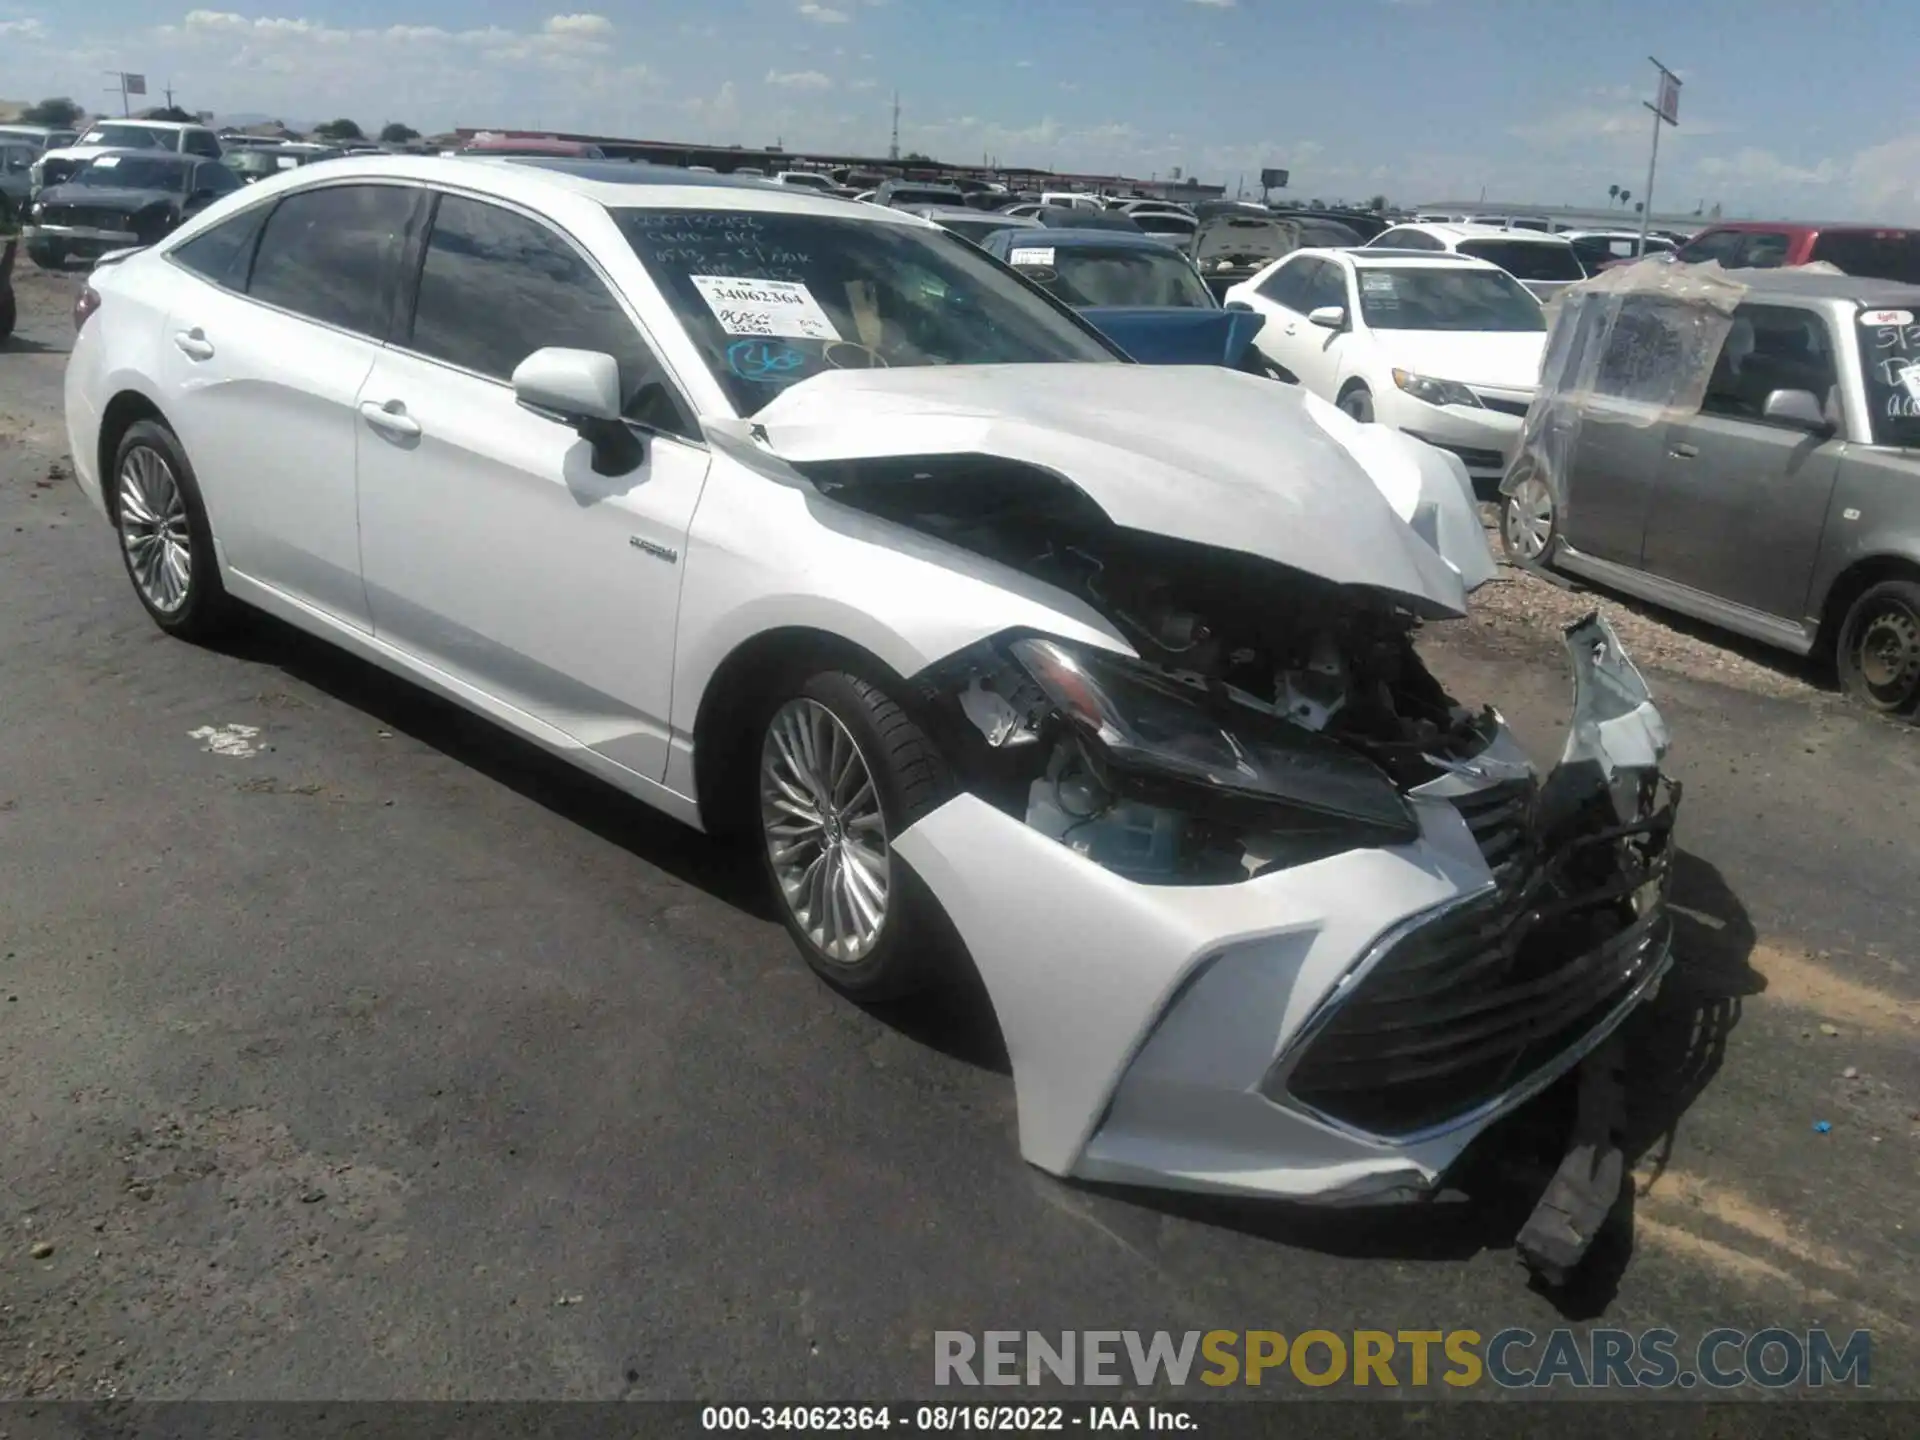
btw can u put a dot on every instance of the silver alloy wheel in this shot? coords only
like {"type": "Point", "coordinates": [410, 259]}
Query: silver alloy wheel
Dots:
{"type": "Point", "coordinates": [153, 529]}
{"type": "Point", "coordinates": [1529, 518]}
{"type": "Point", "coordinates": [826, 836]}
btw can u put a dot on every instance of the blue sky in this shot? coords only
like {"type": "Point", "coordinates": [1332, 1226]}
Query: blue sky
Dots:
{"type": "Point", "coordinates": [1788, 108]}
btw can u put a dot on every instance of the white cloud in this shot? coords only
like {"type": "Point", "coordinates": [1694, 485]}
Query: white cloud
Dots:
{"type": "Point", "coordinates": [594, 27]}
{"type": "Point", "coordinates": [799, 79]}
{"type": "Point", "coordinates": [823, 14]}
{"type": "Point", "coordinates": [1763, 169]}
{"type": "Point", "coordinates": [1885, 180]}
{"type": "Point", "coordinates": [1215, 4]}
{"type": "Point", "coordinates": [28, 29]}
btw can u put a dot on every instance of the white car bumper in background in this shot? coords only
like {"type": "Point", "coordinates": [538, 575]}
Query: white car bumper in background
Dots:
{"type": "Point", "coordinates": [1485, 439]}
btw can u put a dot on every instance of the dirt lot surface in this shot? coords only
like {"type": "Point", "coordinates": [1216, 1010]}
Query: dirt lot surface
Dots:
{"type": "Point", "coordinates": [380, 1057]}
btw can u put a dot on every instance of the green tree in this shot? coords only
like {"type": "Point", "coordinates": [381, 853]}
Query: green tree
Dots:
{"type": "Point", "coordinates": [1377, 204]}
{"type": "Point", "coordinates": [173, 113]}
{"type": "Point", "coordinates": [914, 157]}
{"type": "Point", "coordinates": [394, 133]}
{"type": "Point", "coordinates": [339, 130]}
{"type": "Point", "coordinates": [59, 112]}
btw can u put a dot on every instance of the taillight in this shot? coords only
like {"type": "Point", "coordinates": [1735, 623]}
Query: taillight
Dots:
{"type": "Point", "coordinates": [84, 304]}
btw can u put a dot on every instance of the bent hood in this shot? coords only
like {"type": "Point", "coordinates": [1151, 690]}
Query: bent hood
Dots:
{"type": "Point", "coordinates": [1501, 360]}
{"type": "Point", "coordinates": [1201, 454]}
{"type": "Point", "coordinates": [1165, 335]}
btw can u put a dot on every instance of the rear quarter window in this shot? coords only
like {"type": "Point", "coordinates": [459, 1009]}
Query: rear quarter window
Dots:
{"type": "Point", "coordinates": [1887, 255]}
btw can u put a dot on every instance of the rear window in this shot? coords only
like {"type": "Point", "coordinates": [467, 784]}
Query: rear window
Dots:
{"type": "Point", "coordinates": [1877, 254]}
{"type": "Point", "coordinates": [1527, 259]}
{"type": "Point", "coordinates": [1890, 361]}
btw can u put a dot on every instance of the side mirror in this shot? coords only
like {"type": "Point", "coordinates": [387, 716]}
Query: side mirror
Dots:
{"type": "Point", "coordinates": [1238, 305]}
{"type": "Point", "coordinates": [1328, 317]}
{"type": "Point", "coordinates": [1798, 408]}
{"type": "Point", "coordinates": [201, 196]}
{"type": "Point", "coordinates": [580, 389]}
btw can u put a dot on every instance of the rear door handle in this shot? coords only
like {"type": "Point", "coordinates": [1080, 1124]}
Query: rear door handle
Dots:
{"type": "Point", "coordinates": [1293, 329]}
{"type": "Point", "coordinates": [194, 344]}
{"type": "Point", "coordinates": [390, 419]}
{"type": "Point", "coordinates": [1684, 452]}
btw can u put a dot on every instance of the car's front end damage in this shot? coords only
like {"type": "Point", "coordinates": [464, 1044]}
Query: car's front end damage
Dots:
{"type": "Point", "coordinates": [1261, 909]}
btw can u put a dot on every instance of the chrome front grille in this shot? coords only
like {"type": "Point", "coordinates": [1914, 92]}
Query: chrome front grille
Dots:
{"type": "Point", "coordinates": [1459, 1011]}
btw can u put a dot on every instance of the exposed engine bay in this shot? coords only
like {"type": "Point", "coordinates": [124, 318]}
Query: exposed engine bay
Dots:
{"type": "Point", "coordinates": [1272, 715]}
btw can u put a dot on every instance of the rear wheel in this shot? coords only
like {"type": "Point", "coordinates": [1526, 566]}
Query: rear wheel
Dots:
{"type": "Point", "coordinates": [843, 770]}
{"type": "Point", "coordinates": [1879, 649]}
{"type": "Point", "coordinates": [165, 540]}
{"type": "Point", "coordinates": [1358, 402]}
{"type": "Point", "coordinates": [48, 256]}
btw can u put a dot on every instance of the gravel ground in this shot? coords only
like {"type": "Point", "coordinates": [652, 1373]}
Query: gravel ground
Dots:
{"type": "Point", "coordinates": [1521, 611]}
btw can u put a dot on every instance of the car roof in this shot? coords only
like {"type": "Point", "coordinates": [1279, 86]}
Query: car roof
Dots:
{"type": "Point", "coordinates": [1067, 238]}
{"type": "Point", "coordinates": [1368, 257]}
{"type": "Point", "coordinates": [1485, 232]}
{"type": "Point", "coordinates": [615, 184]}
{"type": "Point", "coordinates": [145, 124]}
{"type": "Point", "coordinates": [1807, 227]}
{"type": "Point", "coordinates": [962, 212]}
{"type": "Point", "coordinates": [1799, 283]}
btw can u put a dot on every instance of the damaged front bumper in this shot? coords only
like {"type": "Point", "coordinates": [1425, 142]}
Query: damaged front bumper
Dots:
{"type": "Point", "coordinates": [1340, 1030]}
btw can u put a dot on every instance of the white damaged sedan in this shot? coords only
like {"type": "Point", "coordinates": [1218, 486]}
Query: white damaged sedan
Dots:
{"type": "Point", "coordinates": [804, 519]}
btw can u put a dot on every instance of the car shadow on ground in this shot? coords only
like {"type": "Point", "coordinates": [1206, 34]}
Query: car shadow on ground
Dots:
{"type": "Point", "coordinates": [1674, 1046]}
{"type": "Point", "coordinates": [480, 745]}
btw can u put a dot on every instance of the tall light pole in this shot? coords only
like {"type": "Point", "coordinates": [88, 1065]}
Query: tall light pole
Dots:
{"type": "Point", "coordinates": [1665, 112]}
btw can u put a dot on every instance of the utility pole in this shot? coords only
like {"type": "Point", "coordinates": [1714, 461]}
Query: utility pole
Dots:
{"type": "Point", "coordinates": [1666, 112]}
{"type": "Point", "coordinates": [893, 150]}
{"type": "Point", "coordinates": [168, 91]}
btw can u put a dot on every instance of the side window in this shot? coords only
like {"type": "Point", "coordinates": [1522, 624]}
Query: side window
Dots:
{"type": "Point", "coordinates": [332, 254]}
{"type": "Point", "coordinates": [496, 286]}
{"type": "Point", "coordinates": [1766, 250]}
{"type": "Point", "coordinates": [1768, 348]}
{"type": "Point", "coordinates": [223, 253]}
{"type": "Point", "coordinates": [1288, 285]}
{"type": "Point", "coordinates": [15, 160]}
{"type": "Point", "coordinates": [201, 142]}
{"type": "Point", "coordinates": [1721, 245]}
{"type": "Point", "coordinates": [1329, 288]}
{"type": "Point", "coordinates": [215, 177]}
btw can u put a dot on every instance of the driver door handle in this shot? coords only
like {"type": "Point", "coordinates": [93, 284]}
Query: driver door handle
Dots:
{"type": "Point", "coordinates": [194, 344]}
{"type": "Point", "coordinates": [390, 419]}
{"type": "Point", "coordinates": [1293, 329]}
{"type": "Point", "coordinates": [1684, 451]}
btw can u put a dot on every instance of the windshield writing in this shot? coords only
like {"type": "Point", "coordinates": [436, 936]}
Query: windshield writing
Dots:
{"type": "Point", "coordinates": [771, 299]}
{"type": "Point", "coordinates": [1890, 360]}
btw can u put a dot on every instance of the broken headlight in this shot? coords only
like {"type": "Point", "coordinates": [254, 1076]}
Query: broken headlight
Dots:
{"type": "Point", "coordinates": [1152, 737]}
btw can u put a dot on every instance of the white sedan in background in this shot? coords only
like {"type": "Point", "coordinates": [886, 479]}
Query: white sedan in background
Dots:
{"type": "Point", "coordinates": [1545, 264]}
{"type": "Point", "coordinates": [1440, 346]}
{"type": "Point", "coordinates": [807, 521]}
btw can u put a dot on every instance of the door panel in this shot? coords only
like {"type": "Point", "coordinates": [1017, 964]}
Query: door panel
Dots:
{"type": "Point", "coordinates": [1616, 451]}
{"type": "Point", "coordinates": [493, 551]}
{"type": "Point", "coordinates": [1741, 511]}
{"type": "Point", "coordinates": [272, 443]}
{"type": "Point", "coordinates": [1743, 502]}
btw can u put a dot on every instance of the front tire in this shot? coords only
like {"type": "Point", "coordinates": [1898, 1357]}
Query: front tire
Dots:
{"type": "Point", "coordinates": [1358, 402]}
{"type": "Point", "coordinates": [842, 770]}
{"type": "Point", "coordinates": [165, 540]}
{"type": "Point", "coordinates": [1878, 655]}
{"type": "Point", "coordinates": [1528, 522]}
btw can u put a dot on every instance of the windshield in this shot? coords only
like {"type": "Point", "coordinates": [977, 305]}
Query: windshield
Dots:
{"type": "Point", "coordinates": [134, 172]}
{"type": "Point", "coordinates": [1527, 259]}
{"type": "Point", "coordinates": [1890, 360]}
{"type": "Point", "coordinates": [770, 298]}
{"type": "Point", "coordinates": [1122, 277]}
{"type": "Point", "coordinates": [1156, 222]}
{"type": "Point", "coordinates": [125, 137]}
{"type": "Point", "coordinates": [1437, 298]}
{"type": "Point", "coordinates": [923, 195]}
{"type": "Point", "coordinates": [975, 230]}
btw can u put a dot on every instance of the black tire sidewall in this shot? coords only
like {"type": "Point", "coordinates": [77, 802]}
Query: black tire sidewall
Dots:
{"type": "Point", "coordinates": [1846, 661]}
{"type": "Point", "coordinates": [206, 609]}
{"type": "Point", "coordinates": [901, 960]}
{"type": "Point", "coordinates": [1362, 395]}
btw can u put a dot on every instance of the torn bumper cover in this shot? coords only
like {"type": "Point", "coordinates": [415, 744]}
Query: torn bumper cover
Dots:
{"type": "Point", "coordinates": [1336, 1025]}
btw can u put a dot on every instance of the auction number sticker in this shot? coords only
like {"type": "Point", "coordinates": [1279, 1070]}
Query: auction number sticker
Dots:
{"type": "Point", "coordinates": [1874, 318]}
{"type": "Point", "coordinates": [1032, 255]}
{"type": "Point", "coordinates": [771, 309]}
